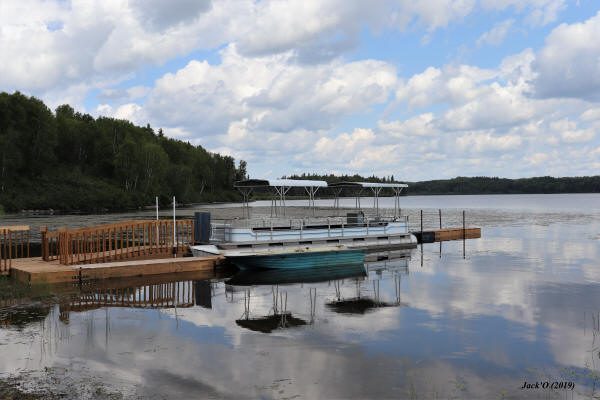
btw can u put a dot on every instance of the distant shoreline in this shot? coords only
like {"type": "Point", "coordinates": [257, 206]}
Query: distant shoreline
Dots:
{"type": "Point", "coordinates": [51, 212]}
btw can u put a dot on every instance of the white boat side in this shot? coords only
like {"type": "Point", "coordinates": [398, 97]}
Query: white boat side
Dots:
{"type": "Point", "coordinates": [227, 233]}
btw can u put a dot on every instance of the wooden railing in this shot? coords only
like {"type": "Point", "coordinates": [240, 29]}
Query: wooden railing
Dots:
{"type": "Point", "coordinates": [50, 247]}
{"type": "Point", "coordinates": [112, 242]}
{"type": "Point", "coordinates": [14, 243]}
{"type": "Point", "coordinates": [163, 295]}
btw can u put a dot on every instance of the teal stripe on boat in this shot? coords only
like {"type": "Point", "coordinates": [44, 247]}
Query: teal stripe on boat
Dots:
{"type": "Point", "coordinates": [301, 260]}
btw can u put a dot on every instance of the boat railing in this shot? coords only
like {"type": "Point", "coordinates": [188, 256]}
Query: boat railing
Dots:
{"type": "Point", "coordinates": [268, 228]}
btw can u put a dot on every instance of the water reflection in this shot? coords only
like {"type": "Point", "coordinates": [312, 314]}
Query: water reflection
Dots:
{"type": "Point", "coordinates": [279, 317]}
{"type": "Point", "coordinates": [161, 295]}
{"type": "Point", "coordinates": [522, 305]}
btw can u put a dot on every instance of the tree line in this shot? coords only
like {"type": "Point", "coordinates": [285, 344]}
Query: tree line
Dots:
{"type": "Point", "coordinates": [478, 184]}
{"type": "Point", "coordinates": [68, 161]}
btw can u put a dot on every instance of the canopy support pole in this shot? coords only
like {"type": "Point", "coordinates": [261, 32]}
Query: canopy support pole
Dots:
{"type": "Point", "coordinates": [311, 191]}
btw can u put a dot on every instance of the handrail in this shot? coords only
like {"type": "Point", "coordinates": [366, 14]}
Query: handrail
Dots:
{"type": "Point", "coordinates": [14, 243]}
{"type": "Point", "coordinates": [123, 240]}
{"type": "Point", "coordinates": [259, 229]}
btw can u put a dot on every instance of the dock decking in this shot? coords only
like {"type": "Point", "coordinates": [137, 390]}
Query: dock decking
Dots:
{"type": "Point", "coordinates": [35, 270]}
{"type": "Point", "coordinates": [442, 235]}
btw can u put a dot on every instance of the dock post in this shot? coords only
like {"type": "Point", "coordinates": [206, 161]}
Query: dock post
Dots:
{"type": "Point", "coordinates": [421, 226]}
{"type": "Point", "coordinates": [45, 244]}
{"type": "Point", "coordinates": [174, 231]}
{"type": "Point", "coordinates": [201, 227]}
{"type": "Point", "coordinates": [157, 225]}
{"type": "Point", "coordinates": [464, 234]}
{"type": "Point", "coordinates": [440, 213]}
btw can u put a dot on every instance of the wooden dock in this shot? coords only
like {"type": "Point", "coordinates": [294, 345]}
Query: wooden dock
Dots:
{"type": "Point", "coordinates": [36, 270]}
{"type": "Point", "coordinates": [441, 235]}
{"type": "Point", "coordinates": [125, 249]}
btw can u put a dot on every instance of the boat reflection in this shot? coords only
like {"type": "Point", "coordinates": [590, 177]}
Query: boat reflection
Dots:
{"type": "Point", "coordinates": [394, 263]}
{"type": "Point", "coordinates": [269, 323]}
{"type": "Point", "coordinates": [279, 317]}
{"type": "Point", "coordinates": [252, 283]}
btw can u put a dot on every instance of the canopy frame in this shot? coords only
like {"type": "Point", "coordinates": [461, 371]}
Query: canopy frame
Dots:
{"type": "Point", "coordinates": [280, 188]}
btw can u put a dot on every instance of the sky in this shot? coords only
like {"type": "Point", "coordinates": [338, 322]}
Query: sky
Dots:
{"type": "Point", "coordinates": [417, 89]}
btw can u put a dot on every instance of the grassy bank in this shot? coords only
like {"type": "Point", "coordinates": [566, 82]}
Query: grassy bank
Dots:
{"type": "Point", "coordinates": [9, 390]}
{"type": "Point", "coordinates": [10, 289]}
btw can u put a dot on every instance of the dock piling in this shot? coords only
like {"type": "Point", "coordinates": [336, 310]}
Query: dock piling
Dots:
{"type": "Point", "coordinates": [174, 231]}
{"type": "Point", "coordinates": [464, 234]}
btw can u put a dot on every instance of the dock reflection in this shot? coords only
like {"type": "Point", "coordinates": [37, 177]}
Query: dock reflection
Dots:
{"type": "Point", "coordinates": [157, 292]}
{"type": "Point", "coordinates": [185, 291]}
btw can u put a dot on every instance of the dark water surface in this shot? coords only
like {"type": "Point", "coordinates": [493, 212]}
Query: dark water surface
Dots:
{"type": "Point", "coordinates": [521, 304]}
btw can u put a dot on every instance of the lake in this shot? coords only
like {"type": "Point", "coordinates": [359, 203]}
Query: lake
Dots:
{"type": "Point", "coordinates": [521, 304]}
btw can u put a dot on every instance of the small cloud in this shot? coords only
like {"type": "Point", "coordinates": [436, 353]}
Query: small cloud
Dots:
{"type": "Point", "coordinates": [496, 35]}
{"type": "Point", "coordinates": [104, 109]}
{"type": "Point", "coordinates": [537, 158]}
{"type": "Point", "coordinates": [593, 114]}
{"type": "Point", "coordinates": [131, 112]}
{"type": "Point", "coordinates": [486, 142]}
{"type": "Point", "coordinates": [578, 136]}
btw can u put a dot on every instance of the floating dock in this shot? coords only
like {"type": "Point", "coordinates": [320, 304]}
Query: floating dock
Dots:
{"type": "Point", "coordinates": [441, 235]}
{"type": "Point", "coordinates": [144, 248]}
{"type": "Point", "coordinates": [36, 270]}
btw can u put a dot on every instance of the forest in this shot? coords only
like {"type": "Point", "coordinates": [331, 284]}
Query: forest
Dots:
{"type": "Point", "coordinates": [478, 185]}
{"type": "Point", "coordinates": [69, 161]}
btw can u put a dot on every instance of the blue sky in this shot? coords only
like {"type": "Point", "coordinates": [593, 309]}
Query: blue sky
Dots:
{"type": "Point", "coordinates": [415, 89]}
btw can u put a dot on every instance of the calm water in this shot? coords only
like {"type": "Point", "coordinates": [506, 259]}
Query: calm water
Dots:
{"type": "Point", "coordinates": [521, 304]}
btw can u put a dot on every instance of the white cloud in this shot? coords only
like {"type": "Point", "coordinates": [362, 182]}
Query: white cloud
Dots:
{"type": "Point", "coordinates": [593, 114]}
{"type": "Point", "coordinates": [537, 158]}
{"type": "Point", "coordinates": [540, 12]}
{"type": "Point", "coordinates": [569, 63]}
{"type": "Point", "coordinates": [420, 125]}
{"type": "Point", "coordinates": [497, 34]}
{"type": "Point", "coordinates": [355, 151]}
{"type": "Point", "coordinates": [497, 106]}
{"type": "Point", "coordinates": [131, 112]}
{"type": "Point", "coordinates": [54, 44]}
{"type": "Point", "coordinates": [579, 136]}
{"type": "Point", "coordinates": [569, 132]}
{"type": "Point", "coordinates": [158, 14]}
{"type": "Point", "coordinates": [434, 14]}
{"type": "Point", "coordinates": [452, 84]}
{"type": "Point", "coordinates": [272, 93]}
{"type": "Point", "coordinates": [345, 145]}
{"type": "Point", "coordinates": [479, 142]}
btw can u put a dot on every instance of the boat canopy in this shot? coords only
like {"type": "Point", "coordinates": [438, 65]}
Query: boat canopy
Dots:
{"type": "Point", "coordinates": [280, 183]}
{"type": "Point", "coordinates": [369, 185]}
{"type": "Point", "coordinates": [281, 187]}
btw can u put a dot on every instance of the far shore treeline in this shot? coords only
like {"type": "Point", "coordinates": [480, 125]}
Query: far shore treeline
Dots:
{"type": "Point", "coordinates": [478, 185]}
{"type": "Point", "coordinates": [71, 161]}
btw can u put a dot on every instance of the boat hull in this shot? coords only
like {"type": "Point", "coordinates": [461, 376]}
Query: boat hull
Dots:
{"type": "Point", "coordinates": [292, 276]}
{"type": "Point", "coordinates": [317, 259]}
